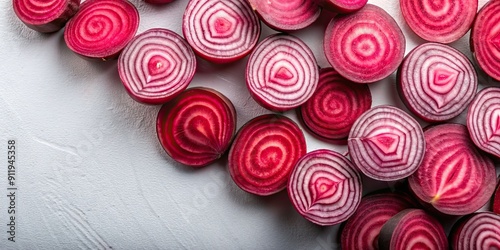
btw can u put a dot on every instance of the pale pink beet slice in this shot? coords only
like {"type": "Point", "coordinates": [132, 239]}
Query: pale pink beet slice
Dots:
{"type": "Point", "coordinates": [287, 15]}
{"type": "Point", "coordinates": [342, 6]}
{"type": "Point", "coordinates": [45, 16]}
{"type": "Point", "coordinates": [476, 232]}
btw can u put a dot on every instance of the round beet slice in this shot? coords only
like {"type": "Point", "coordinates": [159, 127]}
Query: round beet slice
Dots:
{"type": "Point", "coordinates": [156, 66]}
{"type": "Point", "coordinates": [325, 187]}
{"type": "Point", "coordinates": [45, 16]}
{"type": "Point", "coordinates": [365, 46]}
{"type": "Point", "coordinates": [343, 6]}
{"type": "Point", "coordinates": [264, 153]}
{"type": "Point", "coordinates": [196, 127]}
{"type": "Point", "coordinates": [287, 15]}
{"type": "Point", "coordinates": [476, 232]}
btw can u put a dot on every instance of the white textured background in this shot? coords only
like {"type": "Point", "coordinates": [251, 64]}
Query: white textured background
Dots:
{"type": "Point", "coordinates": [92, 175]}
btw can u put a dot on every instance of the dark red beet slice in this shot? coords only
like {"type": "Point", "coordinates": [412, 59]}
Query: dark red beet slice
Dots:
{"type": "Point", "coordinates": [337, 103]}
{"type": "Point", "coordinates": [325, 187]}
{"type": "Point", "coordinates": [496, 199]}
{"type": "Point", "coordinates": [454, 177]}
{"type": "Point", "coordinates": [287, 15]}
{"type": "Point", "coordinates": [221, 31]}
{"type": "Point", "coordinates": [264, 153]}
{"type": "Point", "coordinates": [45, 16]}
{"type": "Point", "coordinates": [342, 6]}
{"type": "Point", "coordinates": [386, 144]}
{"type": "Point", "coordinates": [365, 46]}
{"type": "Point", "coordinates": [102, 28]}
{"type": "Point", "coordinates": [156, 66]}
{"type": "Point", "coordinates": [412, 229]}
{"type": "Point", "coordinates": [362, 229]}
{"type": "Point", "coordinates": [439, 21]}
{"type": "Point", "coordinates": [282, 73]}
{"type": "Point", "coordinates": [197, 126]}
{"type": "Point", "coordinates": [476, 232]}
{"type": "Point", "coordinates": [436, 82]}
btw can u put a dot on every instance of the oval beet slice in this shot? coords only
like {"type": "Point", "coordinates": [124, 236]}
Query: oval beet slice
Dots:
{"type": "Point", "coordinates": [343, 6]}
{"type": "Point", "coordinates": [325, 187]}
{"type": "Point", "coordinates": [45, 16]}
{"type": "Point", "coordinates": [287, 15]}
{"type": "Point", "coordinates": [476, 232]}
{"type": "Point", "coordinates": [197, 126]}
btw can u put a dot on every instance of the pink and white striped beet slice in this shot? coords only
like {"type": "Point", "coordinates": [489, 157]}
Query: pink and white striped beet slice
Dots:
{"type": "Point", "coordinates": [476, 232]}
{"type": "Point", "coordinates": [45, 15]}
{"type": "Point", "coordinates": [287, 15]}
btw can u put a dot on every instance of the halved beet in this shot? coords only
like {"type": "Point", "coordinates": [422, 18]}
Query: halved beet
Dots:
{"type": "Point", "coordinates": [436, 82]}
{"type": "Point", "coordinates": [439, 21]}
{"type": "Point", "coordinates": [342, 6]}
{"type": "Point", "coordinates": [102, 28]}
{"type": "Point", "coordinates": [454, 177]}
{"type": "Point", "coordinates": [282, 73]}
{"type": "Point", "coordinates": [45, 16]}
{"type": "Point", "coordinates": [386, 143]}
{"type": "Point", "coordinates": [197, 127]}
{"type": "Point", "coordinates": [325, 187]}
{"type": "Point", "coordinates": [365, 46]}
{"type": "Point", "coordinates": [264, 153]}
{"type": "Point", "coordinates": [485, 38]}
{"type": "Point", "coordinates": [221, 31]}
{"type": "Point", "coordinates": [496, 199]}
{"type": "Point", "coordinates": [156, 66]}
{"type": "Point", "coordinates": [334, 107]}
{"type": "Point", "coordinates": [476, 232]}
{"type": "Point", "coordinates": [287, 15]}
{"type": "Point", "coordinates": [361, 230]}
{"type": "Point", "coordinates": [412, 229]}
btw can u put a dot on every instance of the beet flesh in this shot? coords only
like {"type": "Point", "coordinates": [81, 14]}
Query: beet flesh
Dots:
{"type": "Point", "coordinates": [476, 232]}
{"type": "Point", "coordinates": [286, 15]}
{"type": "Point", "coordinates": [45, 16]}
{"type": "Point", "coordinates": [342, 6]}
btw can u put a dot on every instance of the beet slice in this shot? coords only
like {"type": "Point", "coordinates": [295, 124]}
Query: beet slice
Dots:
{"type": "Point", "coordinates": [454, 177]}
{"type": "Point", "coordinates": [439, 21]}
{"type": "Point", "coordinates": [496, 199]}
{"type": "Point", "coordinates": [45, 16]}
{"type": "Point", "coordinates": [386, 143]}
{"type": "Point", "coordinates": [102, 28]}
{"type": "Point", "coordinates": [436, 82]}
{"type": "Point", "coordinates": [412, 229]}
{"type": "Point", "coordinates": [477, 231]}
{"type": "Point", "coordinates": [361, 230]}
{"type": "Point", "coordinates": [156, 66]}
{"type": "Point", "coordinates": [287, 15]}
{"type": "Point", "coordinates": [221, 31]}
{"type": "Point", "coordinates": [264, 153]}
{"type": "Point", "coordinates": [282, 73]}
{"type": "Point", "coordinates": [332, 110]}
{"type": "Point", "coordinates": [325, 187]}
{"type": "Point", "coordinates": [342, 6]}
{"type": "Point", "coordinates": [365, 46]}
{"type": "Point", "coordinates": [197, 127]}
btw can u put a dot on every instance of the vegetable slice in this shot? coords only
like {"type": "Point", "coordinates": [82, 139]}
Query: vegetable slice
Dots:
{"type": "Point", "coordinates": [477, 231]}
{"type": "Point", "coordinates": [45, 15]}
{"type": "Point", "coordinates": [287, 15]}
{"type": "Point", "coordinates": [343, 6]}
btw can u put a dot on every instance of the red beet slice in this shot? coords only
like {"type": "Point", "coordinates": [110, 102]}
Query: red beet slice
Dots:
{"type": "Point", "coordinates": [476, 232]}
{"type": "Point", "coordinates": [264, 153]}
{"type": "Point", "coordinates": [454, 177]}
{"type": "Point", "coordinates": [496, 199]}
{"type": "Point", "coordinates": [365, 46]}
{"type": "Point", "coordinates": [343, 6]}
{"type": "Point", "coordinates": [287, 15]}
{"type": "Point", "coordinates": [45, 16]}
{"type": "Point", "coordinates": [221, 31]}
{"type": "Point", "coordinates": [436, 82]}
{"type": "Point", "coordinates": [282, 73]}
{"type": "Point", "coordinates": [412, 229]}
{"type": "Point", "coordinates": [439, 21]}
{"type": "Point", "coordinates": [102, 28]}
{"type": "Point", "coordinates": [334, 107]}
{"type": "Point", "coordinates": [156, 66]}
{"type": "Point", "coordinates": [197, 126]}
{"type": "Point", "coordinates": [325, 187]}
{"type": "Point", "coordinates": [386, 144]}
{"type": "Point", "coordinates": [485, 39]}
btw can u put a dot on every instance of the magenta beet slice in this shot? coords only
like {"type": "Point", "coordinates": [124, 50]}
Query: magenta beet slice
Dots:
{"type": "Point", "coordinates": [362, 229]}
{"type": "Point", "coordinates": [386, 143]}
{"type": "Point", "coordinates": [412, 229]}
{"type": "Point", "coordinates": [334, 107]}
{"type": "Point", "coordinates": [282, 73]}
{"type": "Point", "coordinates": [196, 127]}
{"type": "Point", "coordinates": [325, 187]}
{"type": "Point", "coordinates": [102, 28]}
{"type": "Point", "coordinates": [221, 31]}
{"type": "Point", "coordinates": [156, 66]}
{"type": "Point", "coordinates": [45, 16]}
{"type": "Point", "coordinates": [287, 15]}
{"type": "Point", "coordinates": [439, 21]}
{"type": "Point", "coordinates": [496, 199]}
{"type": "Point", "coordinates": [454, 177]}
{"type": "Point", "coordinates": [476, 232]}
{"type": "Point", "coordinates": [264, 153]}
{"type": "Point", "coordinates": [343, 6]}
{"type": "Point", "coordinates": [436, 82]}
{"type": "Point", "coordinates": [365, 46]}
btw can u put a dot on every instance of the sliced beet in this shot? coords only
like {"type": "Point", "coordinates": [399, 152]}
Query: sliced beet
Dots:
{"type": "Point", "coordinates": [197, 127]}
{"type": "Point", "coordinates": [386, 143]}
{"type": "Point", "coordinates": [334, 107]}
{"type": "Point", "coordinates": [496, 199]}
{"type": "Point", "coordinates": [325, 187]}
{"type": "Point", "coordinates": [342, 6]}
{"type": "Point", "coordinates": [476, 232]}
{"type": "Point", "coordinates": [45, 16]}
{"type": "Point", "coordinates": [282, 73]}
{"type": "Point", "coordinates": [365, 46]}
{"type": "Point", "coordinates": [156, 66]}
{"type": "Point", "coordinates": [287, 15]}
{"type": "Point", "coordinates": [221, 31]}
{"type": "Point", "coordinates": [454, 177]}
{"type": "Point", "coordinates": [436, 82]}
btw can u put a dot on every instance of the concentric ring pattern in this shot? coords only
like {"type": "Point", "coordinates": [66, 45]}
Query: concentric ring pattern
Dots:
{"type": "Point", "coordinates": [479, 231]}
{"type": "Point", "coordinates": [287, 15]}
